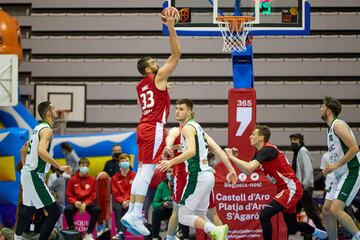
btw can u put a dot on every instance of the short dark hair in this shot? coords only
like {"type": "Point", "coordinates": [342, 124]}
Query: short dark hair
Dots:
{"type": "Point", "coordinates": [210, 155]}
{"type": "Point", "coordinates": [264, 131]}
{"type": "Point", "coordinates": [187, 102]}
{"type": "Point", "coordinates": [142, 64]}
{"type": "Point", "coordinates": [333, 104]}
{"type": "Point", "coordinates": [84, 160]}
{"type": "Point", "coordinates": [116, 145]}
{"type": "Point", "coordinates": [66, 146]}
{"type": "Point", "coordinates": [43, 108]}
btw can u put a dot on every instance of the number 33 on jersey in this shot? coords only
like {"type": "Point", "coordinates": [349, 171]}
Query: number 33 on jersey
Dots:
{"type": "Point", "coordinates": [155, 103]}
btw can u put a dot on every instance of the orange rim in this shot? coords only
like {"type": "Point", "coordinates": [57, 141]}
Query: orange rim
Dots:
{"type": "Point", "coordinates": [239, 19]}
{"type": "Point", "coordinates": [235, 22]}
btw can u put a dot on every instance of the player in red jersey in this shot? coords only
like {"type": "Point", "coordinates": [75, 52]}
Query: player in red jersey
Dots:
{"type": "Point", "coordinates": [278, 171]}
{"type": "Point", "coordinates": [154, 100]}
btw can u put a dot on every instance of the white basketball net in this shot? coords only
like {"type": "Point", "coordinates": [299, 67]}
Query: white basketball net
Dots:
{"type": "Point", "coordinates": [234, 34]}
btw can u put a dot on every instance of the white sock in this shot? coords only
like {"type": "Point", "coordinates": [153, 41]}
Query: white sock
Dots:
{"type": "Point", "coordinates": [16, 237]}
{"type": "Point", "coordinates": [320, 234]}
{"type": "Point", "coordinates": [209, 227]}
{"type": "Point", "coordinates": [357, 236]}
{"type": "Point", "coordinates": [131, 207]}
{"type": "Point", "coordinates": [170, 237]}
{"type": "Point", "coordinates": [138, 209]}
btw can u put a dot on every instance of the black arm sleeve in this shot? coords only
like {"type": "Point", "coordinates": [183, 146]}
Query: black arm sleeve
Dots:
{"type": "Point", "coordinates": [266, 154]}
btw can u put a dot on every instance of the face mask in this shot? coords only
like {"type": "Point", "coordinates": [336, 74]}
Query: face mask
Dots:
{"type": "Point", "coordinates": [124, 165]}
{"type": "Point", "coordinates": [116, 156]}
{"type": "Point", "coordinates": [295, 146]}
{"type": "Point", "coordinates": [84, 170]}
{"type": "Point", "coordinates": [169, 176]}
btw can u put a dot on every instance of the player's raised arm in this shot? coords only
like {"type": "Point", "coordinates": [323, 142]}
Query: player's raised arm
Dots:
{"type": "Point", "coordinates": [166, 70]}
{"type": "Point", "coordinates": [216, 149]}
{"type": "Point", "coordinates": [170, 139]}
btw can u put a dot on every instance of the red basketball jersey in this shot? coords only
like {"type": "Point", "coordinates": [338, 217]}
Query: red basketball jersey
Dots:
{"type": "Point", "coordinates": [155, 103]}
{"type": "Point", "coordinates": [178, 168]}
{"type": "Point", "coordinates": [279, 172]}
{"type": "Point", "coordinates": [179, 172]}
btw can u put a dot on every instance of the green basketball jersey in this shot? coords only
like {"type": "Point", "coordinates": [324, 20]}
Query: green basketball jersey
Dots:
{"type": "Point", "coordinates": [338, 149]}
{"type": "Point", "coordinates": [32, 161]}
{"type": "Point", "coordinates": [199, 162]}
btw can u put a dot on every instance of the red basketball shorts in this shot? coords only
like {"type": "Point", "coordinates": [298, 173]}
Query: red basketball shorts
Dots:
{"type": "Point", "coordinates": [289, 197]}
{"type": "Point", "coordinates": [212, 202]}
{"type": "Point", "coordinates": [179, 185]}
{"type": "Point", "coordinates": [150, 138]}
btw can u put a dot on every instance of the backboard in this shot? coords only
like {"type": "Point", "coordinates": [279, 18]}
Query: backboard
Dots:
{"type": "Point", "coordinates": [70, 97]}
{"type": "Point", "coordinates": [272, 17]}
{"type": "Point", "coordinates": [8, 80]}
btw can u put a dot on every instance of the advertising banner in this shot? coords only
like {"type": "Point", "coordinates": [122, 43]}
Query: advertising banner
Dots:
{"type": "Point", "coordinates": [239, 205]}
{"type": "Point", "coordinates": [241, 120]}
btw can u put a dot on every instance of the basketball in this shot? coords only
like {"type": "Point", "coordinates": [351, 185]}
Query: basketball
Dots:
{"type": "Point", "coordinates": [170, 11]}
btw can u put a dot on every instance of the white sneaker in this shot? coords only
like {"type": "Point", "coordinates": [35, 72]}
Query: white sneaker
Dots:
{"type": "Point", "coordinates": [88, 236]}
{"type": "Point", "coordinates": [126, 219]}
{"type": "Point", "coordinates": [138, 225]}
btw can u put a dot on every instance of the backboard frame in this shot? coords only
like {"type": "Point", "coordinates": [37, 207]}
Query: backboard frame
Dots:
{"type": "Point", "coordinates": [9, 83]}
{"type": "Point", "coordinates": [75, 94]}
{"type": "Point", "coordinates": [258, 29]}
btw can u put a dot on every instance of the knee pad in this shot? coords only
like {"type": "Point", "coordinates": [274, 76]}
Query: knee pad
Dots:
{"type": "Point", "coordinates": [141, 185]}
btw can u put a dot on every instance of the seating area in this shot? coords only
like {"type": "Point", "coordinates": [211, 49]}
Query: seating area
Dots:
{"type": "Point", "coordinates": [86, 45]}
{"type": "Point", "coordinates": [99, 42]}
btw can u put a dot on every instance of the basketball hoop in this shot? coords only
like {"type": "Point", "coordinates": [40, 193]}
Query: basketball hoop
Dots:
{"type": "Point", "coordinates": [62, 119]}
{"type": "Point", "coordinates": [235, 30]}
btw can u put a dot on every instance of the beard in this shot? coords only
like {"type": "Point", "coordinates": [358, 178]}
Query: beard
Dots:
{"type": "Point", "coordinates": [155, 71]}
{"type": "Point", "coordinates": [323, 117]}
{"type": "Point", "coordinates": [295, 147]}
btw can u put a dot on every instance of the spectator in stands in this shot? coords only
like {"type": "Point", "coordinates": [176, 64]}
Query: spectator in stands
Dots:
{"type": "Point", "coordinates": [112, 165]}
{"type": "Point", "coordinates": [211, 158]}
{"type": "Point", "coordinates": [302, 166]}
{"type": "Point", "coordinates": [54, 175]}
{"type": "Point", "coordinates": [81, 196]}
{"type": "Point", "coordinates": [71, 157]}
{"type": "Point", "coordinates": [120, 187]}
{"type": "Point", "coordinates": [57, 189]}
{"type": "Point", "coordinates": [162, 204]}
{"type": "Point", "coordinates": [6, 233]}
